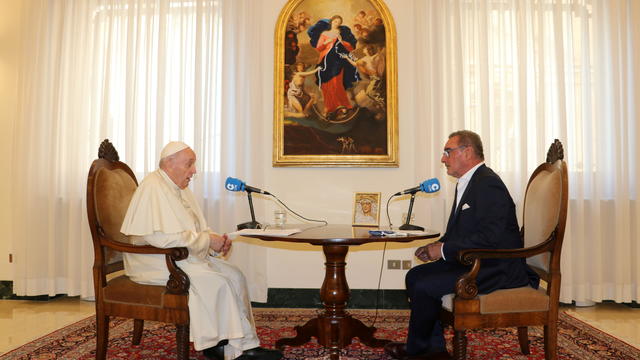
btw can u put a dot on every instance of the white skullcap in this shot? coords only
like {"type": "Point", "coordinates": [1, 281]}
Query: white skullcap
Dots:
{"type": "Point", "coordinates": [172, 148]}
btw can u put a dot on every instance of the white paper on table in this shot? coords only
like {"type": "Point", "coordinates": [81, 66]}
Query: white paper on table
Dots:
{"type": "Point", "coordinates": [266, 232]}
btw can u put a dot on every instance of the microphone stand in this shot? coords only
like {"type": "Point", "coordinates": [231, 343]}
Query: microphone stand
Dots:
{"type": "Point", "coordinates": [253, 224]}
{"type": "Point", "coordinates": [406, 225]}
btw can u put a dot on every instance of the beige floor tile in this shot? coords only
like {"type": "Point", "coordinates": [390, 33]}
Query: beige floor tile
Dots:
{"type": "Point", "coordinates": [618, 320]}
{"type": "Point", "coordinates": [22, 321]}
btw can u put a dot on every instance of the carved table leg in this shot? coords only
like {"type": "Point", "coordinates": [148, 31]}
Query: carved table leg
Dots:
{"type": "Point", "coordinates": [334, 328]}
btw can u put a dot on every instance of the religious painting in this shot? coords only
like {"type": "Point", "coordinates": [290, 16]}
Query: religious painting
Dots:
{"type": "Point", "coordinates": [366, 209]}
{"type": "Point", "coordinates": [335, 85]}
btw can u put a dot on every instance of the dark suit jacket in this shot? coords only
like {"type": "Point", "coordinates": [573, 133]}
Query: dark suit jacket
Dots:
{"type": "Point", "coordinates": [485, 218]}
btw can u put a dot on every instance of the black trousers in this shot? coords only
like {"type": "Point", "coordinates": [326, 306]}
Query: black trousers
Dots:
{"type": "Point", "coordinates": [426, 284]}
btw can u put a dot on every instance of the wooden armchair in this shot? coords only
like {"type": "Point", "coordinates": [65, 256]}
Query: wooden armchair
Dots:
{"type": "Point", "coordinates": [545, 215]}
{"type": "Point", "coordinates": [110, 186]}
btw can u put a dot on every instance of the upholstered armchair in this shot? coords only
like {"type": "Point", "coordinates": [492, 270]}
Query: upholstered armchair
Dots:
{"type": "Point", "coordinates": [545, 215]}
{"type": "Point", "coordinates": [110, 186]}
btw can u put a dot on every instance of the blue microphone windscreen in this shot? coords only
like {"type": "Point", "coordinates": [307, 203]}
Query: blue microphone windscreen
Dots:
{"type": "Point", "coordinates": [233, 184]}
{"type": "Point", "coordinates": [430, 186]}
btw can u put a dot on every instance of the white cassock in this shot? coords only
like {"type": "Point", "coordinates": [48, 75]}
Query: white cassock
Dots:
{"type": "Point", "coordinates": [163, 215]}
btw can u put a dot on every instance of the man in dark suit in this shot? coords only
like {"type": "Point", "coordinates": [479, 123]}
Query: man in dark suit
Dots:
{"type": "Point", "coordinates": [482, 217]}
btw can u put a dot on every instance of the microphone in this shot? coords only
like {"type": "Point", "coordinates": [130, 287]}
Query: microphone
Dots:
{"type": "Point", "coordinates": [233, 184]}
{"type": "Point", "coordinates": [428, 186]}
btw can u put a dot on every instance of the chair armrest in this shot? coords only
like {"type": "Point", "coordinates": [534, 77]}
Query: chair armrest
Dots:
{"type": "Point", "coordinates": [466, 285]}
{"type": "Point", "coordinates": [178, 282]}
{"type": "Point", "coordinates": [177, 253]}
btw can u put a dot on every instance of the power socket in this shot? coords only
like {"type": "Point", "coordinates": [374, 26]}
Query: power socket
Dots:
{"type": "Point", "coordinates": [393, 264]}
{"type": "Point", "coordinates": [407, 264]}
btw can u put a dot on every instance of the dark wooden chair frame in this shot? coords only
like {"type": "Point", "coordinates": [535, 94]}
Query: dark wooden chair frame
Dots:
{"type": "Point", "coordinates": [174, 302]}
{"type": "Point", "coordinates": [466, 305]}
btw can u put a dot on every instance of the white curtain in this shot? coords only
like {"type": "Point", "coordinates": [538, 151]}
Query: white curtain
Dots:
{"type": "Point", "coordinates": [141, 73]}
{"type": "Point", "coordinates": [522, 73]}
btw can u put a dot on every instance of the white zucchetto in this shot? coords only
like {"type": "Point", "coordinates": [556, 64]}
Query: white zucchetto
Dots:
{"type": "Point", "coordinates": [172, 148]}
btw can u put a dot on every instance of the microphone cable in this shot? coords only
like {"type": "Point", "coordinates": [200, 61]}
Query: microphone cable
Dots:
{"type": "Point", "coordinates": [296, 214]}
{"type": "Point", "coordinates": [384, 251]}
{"type": "Point", "coordinates": [375, 317]}
{"type": "Point", "coordinates": [389, 217]}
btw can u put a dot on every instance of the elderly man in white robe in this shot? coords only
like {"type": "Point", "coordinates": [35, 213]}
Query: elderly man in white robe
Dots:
{"type": "Point", "coordinates": [164, 213]}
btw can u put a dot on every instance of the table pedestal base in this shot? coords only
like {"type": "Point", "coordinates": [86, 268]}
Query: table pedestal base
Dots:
{"type": "Point", "coordinates": [333, 332]}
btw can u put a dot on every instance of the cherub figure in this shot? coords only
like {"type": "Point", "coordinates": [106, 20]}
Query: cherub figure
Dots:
{"type": "Point", "coordinates": [299, 100]}
{"type": "Point", "coordinates": [371, 68]}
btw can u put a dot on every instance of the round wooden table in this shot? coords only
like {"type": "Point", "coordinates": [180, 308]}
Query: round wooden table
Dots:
{"type": "Point", "coordinates": [335, 327]}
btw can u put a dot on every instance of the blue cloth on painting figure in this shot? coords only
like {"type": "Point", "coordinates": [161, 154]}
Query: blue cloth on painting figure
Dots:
{"type": "Point", "coordinates": [331, 64]}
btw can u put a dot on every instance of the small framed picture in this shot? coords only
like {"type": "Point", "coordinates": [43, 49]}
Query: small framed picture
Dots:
{"type": "Point", "coordinates": [366, 209]}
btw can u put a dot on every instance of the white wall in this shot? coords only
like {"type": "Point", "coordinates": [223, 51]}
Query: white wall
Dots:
{"type": "Point", "coordinates": [9, 60]}
{"type": "Point", "coordinates": [328, 192]}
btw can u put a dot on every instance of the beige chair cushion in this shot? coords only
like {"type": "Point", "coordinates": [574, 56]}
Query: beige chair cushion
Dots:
{"type": "Point", "coordinates": [542, 211]}
{"type": "Point", "coordinates": [523, 299]}
{"type": "Point", "coordinates": [115, 189]}
{"type": "Point", "coordinates": [123, 290]}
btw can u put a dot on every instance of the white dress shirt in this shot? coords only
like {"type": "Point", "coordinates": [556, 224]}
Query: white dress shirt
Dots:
{"type": "Point", "coordinates": [463, 181]}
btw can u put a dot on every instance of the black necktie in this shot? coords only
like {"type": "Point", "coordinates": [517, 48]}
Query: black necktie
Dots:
{"type": "Point", "coordinates": [453, 209]}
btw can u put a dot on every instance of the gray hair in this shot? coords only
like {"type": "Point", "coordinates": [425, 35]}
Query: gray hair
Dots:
{"type": "Point", "coordinates": [470, 139]}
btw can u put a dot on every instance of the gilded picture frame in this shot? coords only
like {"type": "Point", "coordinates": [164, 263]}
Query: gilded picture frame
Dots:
{"type": "Point", "coordinates": [366, 209]}
{"type": "Point", "coordinates": [335, 97]}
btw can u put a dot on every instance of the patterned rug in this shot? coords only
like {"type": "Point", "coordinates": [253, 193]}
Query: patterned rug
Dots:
{"type": "Point", "coordinates": [576, 340]}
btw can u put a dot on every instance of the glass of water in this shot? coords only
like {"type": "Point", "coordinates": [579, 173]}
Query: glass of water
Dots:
{"type": "Point", "coordinates": [279, 218]}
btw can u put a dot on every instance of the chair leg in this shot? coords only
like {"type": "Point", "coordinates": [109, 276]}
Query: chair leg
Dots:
{"type": "Point", "coordinates": [138, 326]}
{"type": "Point", "coordinates": [182, 341]}
{"type": "Point", "coordinates": [551, 341]}
{"type": "Point", "coordinates": [102, 334]}
{"type": "Point", "coordinates": [523, 337]}
{"type": "Point", "coordinates": [459, 345]}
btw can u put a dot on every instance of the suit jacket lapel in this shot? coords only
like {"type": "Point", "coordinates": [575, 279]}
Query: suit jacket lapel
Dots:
{"type": "Point", "coordinates": [456, 210]}
{"type": "Point", "coordinates": [453, 209]}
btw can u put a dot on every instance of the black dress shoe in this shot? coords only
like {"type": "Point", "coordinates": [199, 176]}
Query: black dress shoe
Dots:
{"type": "Point", "coordinates": [439, 355]}
{"type": "Point", "coordinates": [260, 354]}
{"type": "Point", "coordinates": [396, 350]}
{"type": "Point", "coordinates": [215, 352]}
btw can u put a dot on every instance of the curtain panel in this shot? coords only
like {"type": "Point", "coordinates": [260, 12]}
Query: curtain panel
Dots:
{"type": "Point", "coordinates": [141, 73]}
{"type": "Point", "coordinates": [522, 73]}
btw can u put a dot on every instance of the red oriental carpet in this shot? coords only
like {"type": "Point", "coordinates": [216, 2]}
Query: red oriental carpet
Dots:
{"type": "Point", "coordinates": [576, 340]}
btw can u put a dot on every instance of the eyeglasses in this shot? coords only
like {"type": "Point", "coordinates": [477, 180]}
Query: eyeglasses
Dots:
{"type": "Point", "coordinates": [447, 152]}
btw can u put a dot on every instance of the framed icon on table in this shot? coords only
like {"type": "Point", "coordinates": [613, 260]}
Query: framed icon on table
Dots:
{"type": "Point", "coordinates": [366, 209]}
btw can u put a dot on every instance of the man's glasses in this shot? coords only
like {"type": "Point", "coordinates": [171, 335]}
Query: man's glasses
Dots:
{"type": "Point", "coordinates": [447, 152]}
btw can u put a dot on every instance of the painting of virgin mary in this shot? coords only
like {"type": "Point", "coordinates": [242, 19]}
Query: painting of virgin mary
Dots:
{"type": "Point", "coordinates": [335, 73]}
{"type": "Point", "coordinates": [333, 107]}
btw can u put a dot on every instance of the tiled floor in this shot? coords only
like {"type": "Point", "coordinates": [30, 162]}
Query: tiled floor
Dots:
{"type": "Point", "coordinates": [22, 321]}
{"type": "Point", "coordinates": [618, 320]}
